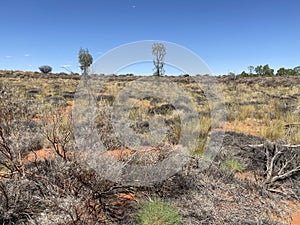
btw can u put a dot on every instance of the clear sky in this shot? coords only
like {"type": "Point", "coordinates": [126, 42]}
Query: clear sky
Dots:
{"type": "Point", "coordinates": [229, 35]}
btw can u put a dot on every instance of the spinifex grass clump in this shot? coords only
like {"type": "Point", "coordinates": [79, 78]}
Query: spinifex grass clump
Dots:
{"type": "Point", "coordinates": [157, 212]}
{"type": "Point", "coordinates": [274, 131]}
{"type": "Point", "coordinates": [205, 127]}
{"type": "Point", "coordinates": [233, 165]}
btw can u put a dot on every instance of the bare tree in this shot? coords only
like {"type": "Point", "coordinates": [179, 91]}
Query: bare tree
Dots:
{"type": "Point", "coordinates": [251, 69]}
{"type": "Point", "coordinates": [159, 52]}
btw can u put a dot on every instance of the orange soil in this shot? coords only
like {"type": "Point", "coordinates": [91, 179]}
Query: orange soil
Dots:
{"type": "Point", "coordinates": [120, 154]}
{"type": "Point", "coordinates": [246, 176]}
{"type": "Point", "coordinates": [50, 154]}
{"type": "Point", "coordinates": [296, 217]}
{"type": "Point", "coordinates": [123, 199]}
{"type": "Point", "coordinates": [125, 153]}
{"type": "Point", "coordinates": [249, 126]}
{"type": "Point", "coordinates": [68, 109]}
{"type": "Point", "coordinates": [42, 154]}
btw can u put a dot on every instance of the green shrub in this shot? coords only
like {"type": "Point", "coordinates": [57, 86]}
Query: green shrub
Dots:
{"type": "Point", "coordinates": [233, 165]}
{"type": "Point", "coordinates": [157, 212]}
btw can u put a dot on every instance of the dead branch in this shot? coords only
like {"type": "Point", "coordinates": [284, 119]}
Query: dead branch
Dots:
{"type": "Point", "coordinates": [282, 161]}
{"type": "Point", "coordinates": [291, 125]}
{"type": "Point", "coordinates": [57, 130]}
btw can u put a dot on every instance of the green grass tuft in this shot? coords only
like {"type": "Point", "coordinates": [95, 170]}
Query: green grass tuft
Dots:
{"type": "Point", "coordinates": [233, 165]}
{"type": "Point", "coordinates": [157, 212]}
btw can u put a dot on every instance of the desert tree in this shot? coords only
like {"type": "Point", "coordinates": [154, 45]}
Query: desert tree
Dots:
{"type": "Point", "coordinates": [159, 52]}
{"type": "Point", "coordinates": [264, 70]}
{"type": "Point", "coordinates": [281, 71]}
{"type": "Point", "coordinates": [297, 70]}
{"type": "Point", "coordinates": [45, 69]}
{"type": "Point", "coordinates": [267, 71]}
{"type": "Point", "coordinates": [286, 72]}
{"type": "Point", "coordinates": [85, 60]}
{"type": "Point", "coordinates": [259, 70]}
{"type": "Point", "coordinates": [292, 72]}
{"type": "Point", "coordinates": [251, 69]}
{"type": "Point", "coordinates": [244, 74]}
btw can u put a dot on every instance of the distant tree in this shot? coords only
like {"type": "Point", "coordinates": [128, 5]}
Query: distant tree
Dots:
{"type": "Point", "coordinates": [264, 70]}
{"type": "Point", "coordinates": [244, 74]}
{"type": "Point", "coordinates": [259, 70]}
{"type": "Point", "coordinates": [85, 60]}
{"type": "Point", "coordinates": [271, 72]}
{"type": "Point", "coordinates": [251, 69]}
{"type": "Point", "coordinates": [281, 71]}
{"type": "Point", "coordinates": [297, 70]}
{"type": "Point", "coordinates": [267, 71]}
{"type": "Point", "coordinates": [287, 72]}
{"type": "Point", "coordinates": [291, 72]}
{"type": "Point", "coordinates": [159, 52]}
{"type": "Point", "coordinates": [45, 69]}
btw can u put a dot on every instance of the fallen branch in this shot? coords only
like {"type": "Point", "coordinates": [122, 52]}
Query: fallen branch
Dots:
{"type": "Point", "coordinates": [262, 145]}
{"type": "Point", "coordinates": [291, 125]}
{"type": "Point", "coordinates": [291, 146]}
{"type": "Point", "coordinates": [282, 161]}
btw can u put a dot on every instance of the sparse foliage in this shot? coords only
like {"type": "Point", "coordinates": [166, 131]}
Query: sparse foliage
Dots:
{"type": "Point", "coordinates": [57, 130]}
{"type": "Point", "coordinates": [85, 60]}
{"type": "Point", "coordinates": [159, 52]}
{"type": "Point", "coordinates": [251, 69]}
{"type": "Point", "coordinates": [259, 70]}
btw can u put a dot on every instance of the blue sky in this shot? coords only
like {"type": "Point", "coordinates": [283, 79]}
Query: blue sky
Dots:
{"type": "Point", "coordinates": [229, 35]}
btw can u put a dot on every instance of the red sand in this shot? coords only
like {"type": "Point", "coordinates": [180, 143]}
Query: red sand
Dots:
{"type": "Point", "coordinates": [296, 218]}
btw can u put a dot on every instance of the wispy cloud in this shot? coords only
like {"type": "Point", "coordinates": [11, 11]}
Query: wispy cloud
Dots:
{"type": "Point", "coordinates": [26, 55]}
{"type": "Point", "coordinates": [66, 65]}
{"type": "Point", "coordinates": [8, 56]}
{"type": "Point", "coordinates": [134, 6]}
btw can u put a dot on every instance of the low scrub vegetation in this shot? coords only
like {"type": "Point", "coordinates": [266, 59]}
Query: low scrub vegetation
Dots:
{"type": "Point", "coordinates": [233, 165]}
{"type": "Point", "coordinates": [155, 211]}
{"type": "Point", "coordinates": [43, 179]}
